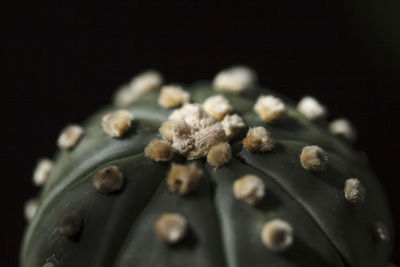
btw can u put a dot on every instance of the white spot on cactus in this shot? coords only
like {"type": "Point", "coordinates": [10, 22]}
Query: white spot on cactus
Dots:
{"type": "Point", "coordinates": [70, 136]}
{"type": "Point", "coordinates": [269, 108]}
{"type": "Point", "coordinates": [249, 188]}
{"type": "Point", "coordinates": [117, 123]}
{"type": "Point", "coordinates": [354, 191]}
{"type": "Point", "coordinates": [30, 208]}
{"type": "Point", "coordinates": [219, 154]}
{"type": "Point", "coordinates": [167, 130]}
{"type": "Point", "coordinates": [277, 235]}
{"type": "Point", "coordinates": [172, 96]}
{"type": "Point", "coordinates": [70, 224]}
{"type": "Point", "coordinates": [158, 150]}
{"type": "Point", "coordinates": [108, 180]}
{"type": "Point", "coordinates": [171, 228]}
{"type": "Point", "coordinates": [139, 85]}
{"type": "Point", "coordinates": [182, 179]}
{"type": "Point", "coordinates": [232, 125]}
{"type": "Point", "coordinates": [343, 128]}
{"type": "Point", "coordinates": [234, 80]}
{"type": "Point", "coordinates": [217, 106]}
{"type": "Point", "coordinates": [193, 114]}
{"type": "Point", "coordinates": [311, 108]}
{"type": "Point", "coordinates": [381, 232]}
{"type": "Point", "coordinates": [258, 139]}
{"type": "Point", "coordinates": [313, 158]}
{"type": "Point", "coordinates": [42, 171]}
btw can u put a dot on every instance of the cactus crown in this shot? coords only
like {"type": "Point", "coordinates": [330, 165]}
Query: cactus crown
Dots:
{"type": "Point", "coordinates": [213, 174]}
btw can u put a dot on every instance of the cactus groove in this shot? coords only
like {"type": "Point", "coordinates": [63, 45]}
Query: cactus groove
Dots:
{"type": "Point", "coordinates": [236, 175]}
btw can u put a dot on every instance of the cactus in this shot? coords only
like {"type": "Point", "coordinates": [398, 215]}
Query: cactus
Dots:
{"type": "Point", "coordinates": [213, 174]}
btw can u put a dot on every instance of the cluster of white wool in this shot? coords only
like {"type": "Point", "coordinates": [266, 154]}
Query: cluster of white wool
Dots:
{"type": "Point", "coordinates": [42, 171]}
{"type": "Point", "coordinates": [117, 123]}
{"type": "Point", "coordinates": [172, 96]}
{"type": "Point", "coordinates": [311, 108]}
{"type": "Point", "coordinates": [194, 131]}
{"type": "Point", "coordinates": [269, 108]}
{"type": "Point", "coordinates": [234, 79]}
{"type": "Point", "coordinates": [277, 235]}
{"type": "Point", "coordinates": [137, 87]}
{"type": "Point", "coordinates": [217, 106]}
{"type": "Point", "coordinates": [249, 188]}
{"type": "Point", "coordinates": [70, 136]}
{"type": "Point", "coordinates": [232, 125]}
{"type": "Point", "coordinates": [30, 208]}
{"type": "Point", "coordinates": [171, 227]}
{"type": "Point", "coordinates": [343, 128]}
{"type": "Point", "coordinates": [354, 191]}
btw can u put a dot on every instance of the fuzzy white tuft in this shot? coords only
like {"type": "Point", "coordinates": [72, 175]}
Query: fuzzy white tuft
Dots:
{"type": "Point", "coordinates": [277, 235]}
{"type": "Point", "coordinates": [217, 106]}
{"type": "Point", "coordinates": [343, 128]}
{"type": "Point", "coordinates": [269, 108]}
{"type": "Point", "coordinates": [171, 227]}
{"type": "Point", "coordinates": [30, 208]}
{"type": "Point", "coordinates": [258, 139]}
{"type": "Point", "coordinates": [116, 123]}
{"type": "Point", "coordinates": [249, 188]}
{"type": "Point", "coordinates": [137, 87]}
{"type": "Point", "coordinates": [311, 108]}
{"type": "Point", "coordinates": [234, 80]}
{"type": "Point", "coordinates": [313, 158]}
{"type": "Point", "coordinates": [42, 171]}
{"type": "Point", "coordinates": [172, 96]}
{"type": "Point", "coordinates": [232, 125]}
{"type": "Point", "coordinates": [192, 114]}
{"type": "Point", "coordinates": [354, 191]}
{"type": "Point", "coordinates": [70, 136]}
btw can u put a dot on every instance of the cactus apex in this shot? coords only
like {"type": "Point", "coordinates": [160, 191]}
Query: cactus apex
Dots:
{"type": "Point", "coordinates": [258, 139]}
{"type": "Point", "coordinates": [172, 96]}
{"type": "Point", "coordinates": [311, 108]}
{"type": "Point", "coordinates": [217, 106]}
{"type": "Point", "coordinates": [42, 171]}
{"type": "Point", "coordinates": [49, 264]}
{"type": "Point", "coordinates": [182, 179]}
{"type": "Point", "coordinates": [249, 188]}
{"type": "Point", "coordinates": [108, 180]}
{"type": "Point", "coordinates": [192, 114]}
{"type": "Point", "coordinates": [171, 227]}
{"type": "Point", "coordinates": [70, 136]}
{"type": "Point", "coordinates": [116, 123]}
{"type": "Point", "coordinates": [354, 191]}
{"type": "Point", "coordinates": [313, 158]}
{"type": "Point", "coordinates": [219, 154]}
{"type": "Point", "coordinates": [277, 235]}
{"type": "Point", "coordinates": [158, 150]}
{"type": "Point", "coordinates": [70, 224]}
{"type": "Point", "coordinates": [269, 108]}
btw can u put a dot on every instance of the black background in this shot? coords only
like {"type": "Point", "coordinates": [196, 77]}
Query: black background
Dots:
{"type": "Point", "coordinates": [63, 61]}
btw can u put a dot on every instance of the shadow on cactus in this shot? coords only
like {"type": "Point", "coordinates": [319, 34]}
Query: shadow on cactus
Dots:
{"type": "Point", "coordinates": [213, 174]}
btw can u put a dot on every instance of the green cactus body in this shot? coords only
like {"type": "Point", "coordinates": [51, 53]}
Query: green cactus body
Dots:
{"type": "Point", "coordinates": [328, 227]}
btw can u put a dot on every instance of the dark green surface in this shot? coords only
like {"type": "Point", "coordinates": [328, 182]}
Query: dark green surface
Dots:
{"type": "Point", "coordinates": [118, 229]}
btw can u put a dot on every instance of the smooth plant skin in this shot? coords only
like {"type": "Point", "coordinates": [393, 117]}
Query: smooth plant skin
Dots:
{"type": "Point", "coordinates": [118, 228]}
